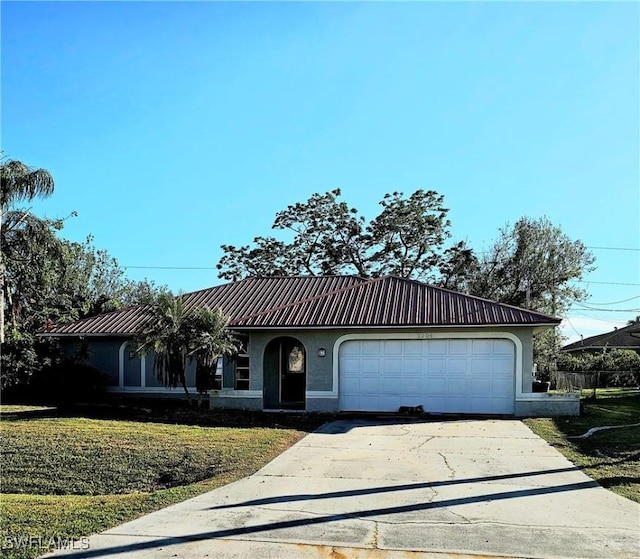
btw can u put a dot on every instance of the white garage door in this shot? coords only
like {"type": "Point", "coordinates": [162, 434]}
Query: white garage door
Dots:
{"type": "Point", "coordinates": [443, 375]}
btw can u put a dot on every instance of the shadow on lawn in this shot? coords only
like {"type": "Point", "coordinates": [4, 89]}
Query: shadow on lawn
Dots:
{"type": "Point", "coordinates": [174, 412]}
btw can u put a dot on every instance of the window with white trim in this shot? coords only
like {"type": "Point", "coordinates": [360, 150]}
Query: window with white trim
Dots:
{"type": "Point", "coordinates": [242, 369]}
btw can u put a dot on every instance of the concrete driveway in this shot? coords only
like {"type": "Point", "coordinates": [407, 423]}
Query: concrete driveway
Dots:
{"type": "Point", "coordinates": [370, 489]}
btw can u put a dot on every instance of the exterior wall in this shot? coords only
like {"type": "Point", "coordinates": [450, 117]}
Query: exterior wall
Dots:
{"type": "Point", "coordinates": [128, 375]}
{"type": "Point", "coordinates": [321, 393]}
{"type": "Point", "coordinates": [103, 354]}
{"type": "Point", "coordinates": [548, 405]}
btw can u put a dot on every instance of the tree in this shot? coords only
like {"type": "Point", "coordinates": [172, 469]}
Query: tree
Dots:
{"type": "Point", "coordinates": [47, 279]}
{"type": "Point", "coordinates": [19, 183]}
{"type": "Point", "coordinates": [177, 336]}
{"type": "Point", "coordinates": [329, 237]}
{"type": "Point", "coordinates": [533, 265]}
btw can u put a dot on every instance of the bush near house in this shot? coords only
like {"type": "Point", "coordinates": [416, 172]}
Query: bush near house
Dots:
{"type": "Point", "coordinates": [608, 368]}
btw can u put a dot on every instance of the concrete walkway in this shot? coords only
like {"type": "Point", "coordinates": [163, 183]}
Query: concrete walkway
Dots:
{"type": "Point", "coordinates": [367, 489]}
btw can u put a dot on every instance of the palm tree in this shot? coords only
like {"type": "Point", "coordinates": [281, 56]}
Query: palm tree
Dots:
{"type": "Point", "coordinates": [177, 336]}
{"type": "Point", "coordinates": [19, 183]}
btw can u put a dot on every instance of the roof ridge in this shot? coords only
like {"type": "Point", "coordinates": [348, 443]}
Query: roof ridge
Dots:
{"type": "Point", "coordinates": [309, 299]}
{"type": "Point", "coordinates": [477, 297]}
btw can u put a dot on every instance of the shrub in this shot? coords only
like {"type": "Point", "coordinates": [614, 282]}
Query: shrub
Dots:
{"type": "Point", "coordinates": [68, 381]}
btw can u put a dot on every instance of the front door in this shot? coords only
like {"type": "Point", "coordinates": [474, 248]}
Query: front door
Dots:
{"type": "Point", "coordinates": [285, 374]}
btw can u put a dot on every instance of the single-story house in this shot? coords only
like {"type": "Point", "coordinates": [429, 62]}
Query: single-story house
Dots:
{"type": "Point", "coordinates": [620, 338]}
{"type": "Point", "coordinates": [344, 343]}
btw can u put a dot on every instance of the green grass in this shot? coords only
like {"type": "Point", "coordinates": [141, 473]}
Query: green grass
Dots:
{"type": "Point", "coordinates": [587, 393]}
{"type": "Point", "coordinates": [67, 477]}
{"type": "Point", "coordinates": [611, 457]}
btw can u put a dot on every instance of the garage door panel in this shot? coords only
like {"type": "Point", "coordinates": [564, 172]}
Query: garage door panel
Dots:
{"type": "Point", "coordinates": [482, 366]}
{"type": "Point", "coordinates": [456, 366]}
{"type": "Point", "coordinates": [393, 347]}
{"type": "Point", "coordinates": [457, 386]}
{"type": "Point", "coordinates": [458, 347]}
{"type": "Point", "coordinates": [481, 385]}
{"type": "Point", "coordinates": [350, 365]}
{"type": "Point", "coordinates": [370, 366]}
{"type": "Point", "coordinates": [412, 366]}
{"type": "Point", "coordinates": [503, 347]}
{"type": "Point", "coordinates": [437, 347]}
{"type": "Point", "coordinates": [482, 347]}
{"type": "Point", "coordinates": [370, 385]}
{"type": "Point", "coordinates": [392, 366]}
{"type": "Point", "coordinates": [436, 386]}
{"type": "Point", "coordinates": [443, 375]}
{"type": "Point", "coordinates": [502, 366]}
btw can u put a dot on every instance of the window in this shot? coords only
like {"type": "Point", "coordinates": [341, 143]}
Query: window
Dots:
{"type": "Point", "coordinates": [241, 361]}
{"type": "Point", "coordinates": [296, 360]}
{"type": "Point", "coordinates": [217, 377]}
{"type": "Point", "coordinates": [242, 372]}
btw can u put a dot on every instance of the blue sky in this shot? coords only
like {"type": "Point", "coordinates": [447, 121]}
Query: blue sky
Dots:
{"type": "Point", "coordinates": [174, 127]}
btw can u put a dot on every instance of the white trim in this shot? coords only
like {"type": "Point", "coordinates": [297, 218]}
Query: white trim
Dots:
{"type": "Point", "coordinates": [429, 336]}
{"type": "Point", "coordinates": [143, 368]}
{"type": "Point", "coordinates": [320, 394]}
{"type": "Point", "coordinates": [152, 389]}
{"type": "Point", "coordinates": [230, 393]}
{"type": "Point", "coordinates": [546, 396]}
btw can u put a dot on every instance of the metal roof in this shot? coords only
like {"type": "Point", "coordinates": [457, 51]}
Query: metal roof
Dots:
{"type": "Point", "coordinates": [326, 302]}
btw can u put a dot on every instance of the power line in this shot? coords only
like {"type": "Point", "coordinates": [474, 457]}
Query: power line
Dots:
{"type": "Point", "coordinates": [170, 267]}
{"type": "Point", "coordinates": [613, 302]}
{"type": "Point", "coordinates": [613, 248]}
{"type": "Point", "coordinates": [583, 308]}
{"type": "Point", "coordinates": [605, 282]}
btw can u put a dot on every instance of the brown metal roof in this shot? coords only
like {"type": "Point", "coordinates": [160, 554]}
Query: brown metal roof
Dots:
{"type": "Point", "coordinates": [122, 322]}
{"type": "Point", "coordinates": [391, 301]}
{"type": "Point", "coordinates": [325, 301]}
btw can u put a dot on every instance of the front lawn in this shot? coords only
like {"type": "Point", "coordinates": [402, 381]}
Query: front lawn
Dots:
{"type": "Point", "coordinates": [611, 457]}
{"type": "Point", "coordinates": [67, 477]}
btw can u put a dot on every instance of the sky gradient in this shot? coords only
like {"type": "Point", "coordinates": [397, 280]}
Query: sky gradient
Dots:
{"type": "Point", "coordinates": [175, 127]}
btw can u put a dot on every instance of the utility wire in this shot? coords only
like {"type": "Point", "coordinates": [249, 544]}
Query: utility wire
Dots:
{"type": "Point", "coordinates": [612, 302]}
{"type": "Point", "coordinates": [170, 267]}
{"type": "Point", "coordinates": [613, 248]}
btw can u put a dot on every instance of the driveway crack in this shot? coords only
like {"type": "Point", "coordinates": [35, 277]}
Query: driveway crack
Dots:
{"type": "Point", "coordinates": [374, 540]}
{"type": "Point", "coordinates": [446, 463]}
{"type": "Point", "coordinates": [426, 440]}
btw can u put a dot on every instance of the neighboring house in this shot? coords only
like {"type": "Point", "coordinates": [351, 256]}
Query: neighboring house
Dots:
{"type": "Point", "coordinates": [620, 338]}
{"type": "Point", "coordinates": [343, 343]}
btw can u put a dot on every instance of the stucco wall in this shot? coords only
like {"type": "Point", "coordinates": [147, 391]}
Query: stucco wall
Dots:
{"type": "Point", "coordinates": [548, 405]}
{"type": "Point", "coordinates": [103, 354]}
{"type": "Point", "coordinates": [320, 369]}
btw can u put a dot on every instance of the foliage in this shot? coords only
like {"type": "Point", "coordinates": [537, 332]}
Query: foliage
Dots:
{"type": "Point", "coordinates": [46, 279]}
{"type": "Point", "coordinates": [329, 237]}
{"type": "Point", "coordinates": [534, 265]}
{"type": "Point", "coordinates": [617, 367]}
{"type": "Point", "coordinates": [175, 336]}
{"type": "Point", "coordinates": [18, 183]}
{"type": "Point", "coordinates": [60, 471]}
{"type": "Point", "coordinates": [68, 380]}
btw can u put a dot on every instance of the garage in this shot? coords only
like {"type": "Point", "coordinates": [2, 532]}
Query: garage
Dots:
{"type": "Point", "coordinates": [446, 375]}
